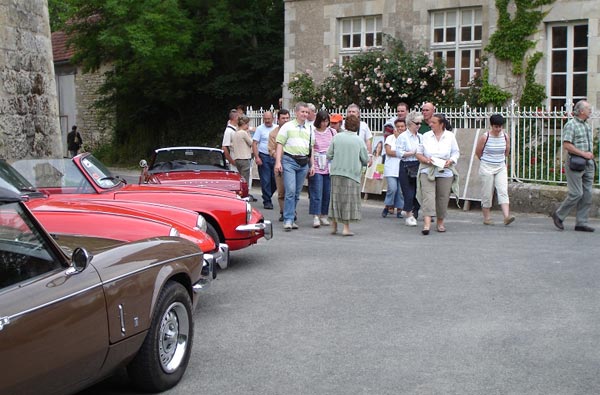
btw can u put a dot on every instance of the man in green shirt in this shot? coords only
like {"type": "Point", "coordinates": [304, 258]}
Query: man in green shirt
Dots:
{"type": "Point", "coordinates": [294, 142]}
{"type": "Point", "coordinates": [578, 140]}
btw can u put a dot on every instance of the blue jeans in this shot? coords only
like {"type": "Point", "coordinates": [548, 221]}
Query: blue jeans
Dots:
{"type": "Point", "coordinates": [393, 195]}
{"type": "Point", "coordinates": [293, 180]}
{"type": "Point", "coordinates": [319, 188]}
{"type": "Point", "coordinates": [267, 177]}
{"type": "Point", "coordinates": [409, 191]}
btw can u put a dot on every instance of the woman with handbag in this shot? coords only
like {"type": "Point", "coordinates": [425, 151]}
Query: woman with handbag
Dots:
{"type": "Point", "coordinates": [492, 149]}
{"type": "Point", "coordinates": [406, 148]}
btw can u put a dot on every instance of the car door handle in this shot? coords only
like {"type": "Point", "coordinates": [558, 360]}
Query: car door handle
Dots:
{"type": "Point", "coordinates": [3, 321]}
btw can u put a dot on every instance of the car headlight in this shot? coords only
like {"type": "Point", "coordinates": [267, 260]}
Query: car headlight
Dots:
{"type": "Point", "coordinates": [201, 223]}
{"type": "Point", "coordinates": [173, 232]}
{"type": "Point", "coordinates": [248, 212]}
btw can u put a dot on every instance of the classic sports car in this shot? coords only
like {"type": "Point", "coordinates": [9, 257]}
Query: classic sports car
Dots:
{"type": "Point", "coordinates": [114, 219]}
{"type": "Point", "coordinates": [66, 323]}
{"type": "Point", "coordinates": [192, 166]}
{"type": "Point", "coordinates": [230, 219]}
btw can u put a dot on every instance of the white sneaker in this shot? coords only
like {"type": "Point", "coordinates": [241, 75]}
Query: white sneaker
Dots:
{"type": "Point", "coordinates": [294, 225]}
{"type": "Point", "coordinates": [324, 221]}
{"type": "Point", "coordinates": [316, 222]}
{"type": "Point", "coordinates": [287, 226]}
{"type": "Point", "coordinates": [410, 221]}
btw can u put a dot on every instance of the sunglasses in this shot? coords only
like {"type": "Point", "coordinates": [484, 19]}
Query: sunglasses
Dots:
{"type": "Point", "coordinates": [417, 123]}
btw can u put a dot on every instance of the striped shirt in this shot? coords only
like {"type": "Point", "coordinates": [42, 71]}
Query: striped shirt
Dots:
{"type": "Point", "coordinates": [579, 133]}
{"type": "Point", "coordinates": [494, 149]}
{"type": "Point", "coordinates": [295, 138]}
{"type": "Point", "coordinates": [321, 144]}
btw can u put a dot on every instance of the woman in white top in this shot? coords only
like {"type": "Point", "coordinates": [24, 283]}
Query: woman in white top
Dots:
{"type": "Point", "coordinates": [438, 153]}
{"type": "Point", "coordinates": [391, 169]}
{"type": "Point", "coordinates": [406, 148]}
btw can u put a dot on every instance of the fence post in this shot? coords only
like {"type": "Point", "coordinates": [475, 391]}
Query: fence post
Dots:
{"type": "Point", "coordinates": [513, 134]}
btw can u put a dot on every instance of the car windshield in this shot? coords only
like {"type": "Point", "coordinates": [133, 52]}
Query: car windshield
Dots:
{"type": "Point", "coordinates": [180, 159]}
{"type": "Point", "coordinates": [59, 174]}
{"type": "Point", "coordinates": [13, 180]}
{"type": "Point", "coordinates": [24, 252]}
{"type": "Point", "coordinates": [99, 173]}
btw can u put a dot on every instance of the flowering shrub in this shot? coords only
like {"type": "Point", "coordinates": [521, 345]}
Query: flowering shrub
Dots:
{"type": "Point", "coordinates": [374, 78]}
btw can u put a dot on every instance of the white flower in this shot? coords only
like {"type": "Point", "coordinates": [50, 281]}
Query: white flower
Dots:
{"type": "Point", "coordinates": [409, 81]}
{"type": "Point", "coordinates": [295, 78]}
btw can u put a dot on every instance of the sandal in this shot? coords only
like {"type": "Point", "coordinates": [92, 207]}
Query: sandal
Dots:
{"type": "Point", "coordinates": [441, 228]}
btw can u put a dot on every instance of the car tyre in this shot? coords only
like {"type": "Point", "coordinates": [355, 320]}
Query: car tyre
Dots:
{"type": "Point", "coordinates": [163, 358]}
{"type": "Point", "coordinates": [212, 232]}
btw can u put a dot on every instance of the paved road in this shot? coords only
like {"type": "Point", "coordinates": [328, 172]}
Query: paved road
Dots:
{"type": "Point", "coordinates": [477, 310]}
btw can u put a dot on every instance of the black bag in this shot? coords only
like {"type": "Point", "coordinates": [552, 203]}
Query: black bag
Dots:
{"type": "Point", "coordinates": [577, 163]}
{"type": "Point", "coordinates": [301, 160]}
{"type": "Point", "coordinates": [412, 168]}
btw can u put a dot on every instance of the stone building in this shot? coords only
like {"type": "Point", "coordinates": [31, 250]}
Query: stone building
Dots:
{"type": "Point", "coordinates": [29, 125]}
{"type": "Point", "coordinates": [77, 94]}
{"type": "Point", "coordinates": [318, 32]}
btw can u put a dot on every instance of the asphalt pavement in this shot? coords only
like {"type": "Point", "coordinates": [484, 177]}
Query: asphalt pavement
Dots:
{"type": "Point", "coordinates": [476, 310]}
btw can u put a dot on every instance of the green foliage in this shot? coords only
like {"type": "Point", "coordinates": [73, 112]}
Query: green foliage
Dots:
{"type": "Point", "coordinates": [179, 65]}
{"type": "Point", "coordinates": [59, 11]}
{"type": "Point", "coordinates": [509, 42]}
{"type": "Point", "coordinates": [533, 93]}
{"type": "Point", "coordinates": [491, 94]}
{"type": "Point", "coordinates": [372, 79]}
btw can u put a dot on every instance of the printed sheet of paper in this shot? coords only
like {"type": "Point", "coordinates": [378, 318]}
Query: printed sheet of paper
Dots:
{"type": "Point", "coordinates": [437, 162]}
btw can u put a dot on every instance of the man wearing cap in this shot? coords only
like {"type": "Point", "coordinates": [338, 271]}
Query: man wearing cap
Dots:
{"type": "Point", "coordinates": [335, 122]}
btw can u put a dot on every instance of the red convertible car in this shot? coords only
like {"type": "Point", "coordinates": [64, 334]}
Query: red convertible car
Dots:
{"type": "Point", "coordinates": [230, 219]}
{"type": "Point", "coordinates": [113, 219]}
{"type": "Point", "coordinates": [68, 322]}
{"type": "Point", "coordinates": [192, 166]}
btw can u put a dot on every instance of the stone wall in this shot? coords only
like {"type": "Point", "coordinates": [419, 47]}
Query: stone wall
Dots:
{"type": "Point", "coordinates": [29, 124]}
{"type": "Point", "coordinates": [96, 127]}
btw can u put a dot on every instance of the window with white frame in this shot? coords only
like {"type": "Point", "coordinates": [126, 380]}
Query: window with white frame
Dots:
{"type": "Point", "coordinates": [358, 34]}
{"type": "Point", "coordinates": [568, 46]}
{"type": "Point", "coordinates": [456, 42]}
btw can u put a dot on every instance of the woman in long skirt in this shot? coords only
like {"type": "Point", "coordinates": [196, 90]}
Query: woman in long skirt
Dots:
{"type": "Point", "coordinates": [348, 154]}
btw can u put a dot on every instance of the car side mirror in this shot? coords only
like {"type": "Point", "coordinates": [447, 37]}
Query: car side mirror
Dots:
{"type": "Point", "coordinates": [143, 163]}
{"type": "Point", "coordinates": [80, 259]}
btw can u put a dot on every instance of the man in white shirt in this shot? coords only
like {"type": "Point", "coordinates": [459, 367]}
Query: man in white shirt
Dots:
{"type": "Point", "coordinates": [401, 112]}
{"type": "Point", "coordinates": [312, 114]}
{"type": "Point", "coordinates": [364, 132]}
{"type": "Point", "coordinates": [226, 145]}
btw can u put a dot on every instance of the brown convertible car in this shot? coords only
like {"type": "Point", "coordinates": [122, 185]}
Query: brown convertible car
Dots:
{"type": "Point", "coordinates": [67, 322]}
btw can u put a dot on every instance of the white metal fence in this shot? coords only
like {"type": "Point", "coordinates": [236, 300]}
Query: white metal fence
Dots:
{"type": "Point", "coordinates": [536, 154]}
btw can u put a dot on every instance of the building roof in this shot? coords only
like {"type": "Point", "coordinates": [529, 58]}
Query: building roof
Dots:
{"type": "Point", "coordinates": [61, 51]}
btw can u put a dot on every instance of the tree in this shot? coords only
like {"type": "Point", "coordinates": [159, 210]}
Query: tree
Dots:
{"type": "Point", "coordinates": [179, 65]}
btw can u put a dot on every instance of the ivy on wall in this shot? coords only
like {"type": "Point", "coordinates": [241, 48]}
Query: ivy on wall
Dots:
{"type": "Point", "coordinates": [510, 41]}
{"type": "Point", "coordinates": [534, 93]}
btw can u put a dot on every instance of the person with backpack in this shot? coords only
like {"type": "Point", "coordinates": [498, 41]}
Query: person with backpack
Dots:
{"type": "Point", "coordinates": [492, 149]}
